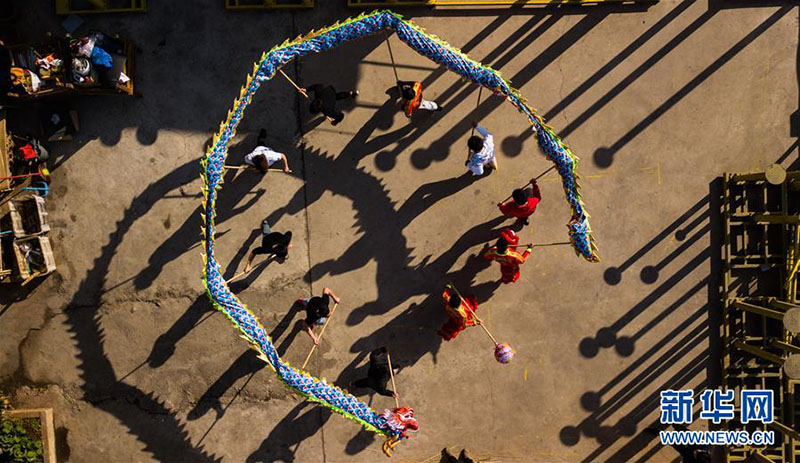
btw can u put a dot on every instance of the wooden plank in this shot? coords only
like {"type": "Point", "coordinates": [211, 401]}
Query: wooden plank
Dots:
{"type": "Point", "coordinates": [767, 218]}
{"type": "Point", "coordinates": [752, 308]}
{"type": "Point", "coordinates": [785, 430]}
{"type": "Point", "coordinates": [479, 3]}
{"type": "Point", "coordinates": [785, 346]}
{"type": "Point", "coordinates": [760, 176]}
{"type": "Point", "coordinates": [8, 196]}
{"type": "Point", "coordinates": [758, 352]}
{"type": "Point", "coordinates": [782, 305]}
{"type": "Point", "coordinates": [756, 455]}
{"type": "Point", "coordinates": [101, 6]}
{"type": "Point", "coordinates": [267, 5]}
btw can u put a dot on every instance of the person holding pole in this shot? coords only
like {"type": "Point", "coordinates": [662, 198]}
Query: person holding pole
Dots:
{"type": "Point", "coordinates": [275, 244]}
{"type": "Point", "coordinates": [378, 374]}
{"type": "Point", "coordinates": [460, 313]}
{"type": "Point", "coordinates": [509, 259]}
{"type": "Point", "coordinates": [262, 157]}
{"type": "Point", "coordinates": [481, 150]}
{"type": "Point", "coordinates": [317, 311]}
{"type": "Point", "coordinates": [325, 98]}
{"type": "Point", "coordinates": [523, 203]}
{"type": "Point", "coordinates": [411, 92]}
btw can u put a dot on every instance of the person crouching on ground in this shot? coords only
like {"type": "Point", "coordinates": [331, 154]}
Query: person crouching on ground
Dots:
{"type": "Point", "coordinates": [317, 311]}
{"type": "Point", "coordinates": [378, 374]}
{"type": "Point", "coordinates": [325, 98]}
{"type": "Point", "coordinates": [275, 244]}
{"type": "Point", "coordinates": [412, 98]}
{"type": "Point", "coordinates": [262, 157]}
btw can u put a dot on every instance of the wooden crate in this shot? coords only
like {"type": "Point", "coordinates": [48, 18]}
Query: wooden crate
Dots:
{"type": "Point", "coordinates": [129, 68]}
{"type": "Point", "coordinates": [28, 216]}
{"type": "Point", "coordinates": [478, 3]}
{"type": "Point", "coordinates": [63, 86]}
{"type": "Point", "coordinates": [100, 6]}
{"type": "Point", "coordinates": [34, 244]}
{"type": "Point", "coordinates": [45, 416]}
{"type": "Point", "coordinates": [267, 4]}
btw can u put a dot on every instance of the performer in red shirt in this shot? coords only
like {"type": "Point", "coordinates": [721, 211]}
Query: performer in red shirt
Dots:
{"type": "Point", "coordinates": [411, 93]}
{"type": "Point", "coordinates": [509, 260]}
{"type": "Point", "coordinates": [523, 204]}
{"type": "Point", "coordinates": [460, 314]}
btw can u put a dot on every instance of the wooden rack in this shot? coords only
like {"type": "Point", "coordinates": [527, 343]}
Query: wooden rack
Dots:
{"type": "Point", "coordinates": [100, 6]}
{"type": "Point", "coordinates": [267, 4]}
{"type": "Point", "coordinates": [761, 315]}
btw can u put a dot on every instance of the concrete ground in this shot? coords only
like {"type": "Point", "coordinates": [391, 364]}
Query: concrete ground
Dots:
{"type": "Point", "coordinates": [657, 99]}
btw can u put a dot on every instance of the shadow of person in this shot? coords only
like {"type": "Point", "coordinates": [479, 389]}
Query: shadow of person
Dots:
{"type": "Point", "coordinates": [243, 283]}
{"type": "Point", "coordinates": [164, 438]}
{"type": "Point", "coordinates": [242, 253]}
{"type": "Point", "coordinates": [298, 328]}
{"type": "Point", "coordinates": [301, 423]}
{"type": "Point", "coordinates": [424, 278]}
{"type": "Point", "coordinates": [359, 442]}
{"type": "Point", "coordinates": [419, 323]}
{"type": "Point", "coordinates": [238, 188]}
{"type": "Point", "coordinates": [247, 364]}
{"type": "Point", "coordinates": [165, 344]}
{"type": "Point", "coordinates": [313, 124]}
{"type": "Point", "coordinates": [283, 325]}
{"type": "Point", "coordinates": [431, 193]}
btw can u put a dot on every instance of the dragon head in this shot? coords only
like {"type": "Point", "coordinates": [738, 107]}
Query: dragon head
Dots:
{"type": "Point", "coordinates": [401, 420]}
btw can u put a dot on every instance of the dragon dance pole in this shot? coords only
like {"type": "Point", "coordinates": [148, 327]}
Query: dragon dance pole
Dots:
{"type": "Point", "coordinates": [394, 386]}
{"type": "Point", "coordinates": [321, 332]}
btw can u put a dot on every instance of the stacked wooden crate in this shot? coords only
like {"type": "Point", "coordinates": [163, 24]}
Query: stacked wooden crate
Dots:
{"type": "Point", "coordinates": [761, 310]}
{"type": "Point", "coordinates": [25, 250]}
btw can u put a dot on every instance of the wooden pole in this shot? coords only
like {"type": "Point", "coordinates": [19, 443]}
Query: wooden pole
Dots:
{"type": "Point", "coordinates": [297, 87]}
{"type": "Point", "coordinates": [480, 90]}
{"type": "Point", "coordinates": [482, 325]}
{"type": "Point", "coordinates": [480, 322]}
{"type": "Point", "coordinates": [561, 243]}
{"type": "Point", "coordinates": [299, 90]}
{"type": "Point", "coordinates": [321, 332]}
{"type": "Point", "coordinates": [537, 178]}
{"type": "Point", "coordinates": [391, 56]}
{"type": "Point", "coordinates": [545, 172]}
{"type": "Point", "coordinates": [510, 246]}
{"type": "Point", "coordinates": [245, 272]}
{"type": "Point", "coordinates": [245, 166]}
{"type": "Point", "coordinates": [240, 274]}
{"type": "Point", "coordinates": [394, 386]}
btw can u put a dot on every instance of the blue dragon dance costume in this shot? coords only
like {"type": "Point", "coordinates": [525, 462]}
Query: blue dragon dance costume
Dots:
{"type": "Point", "coordinates": [391, 425]}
